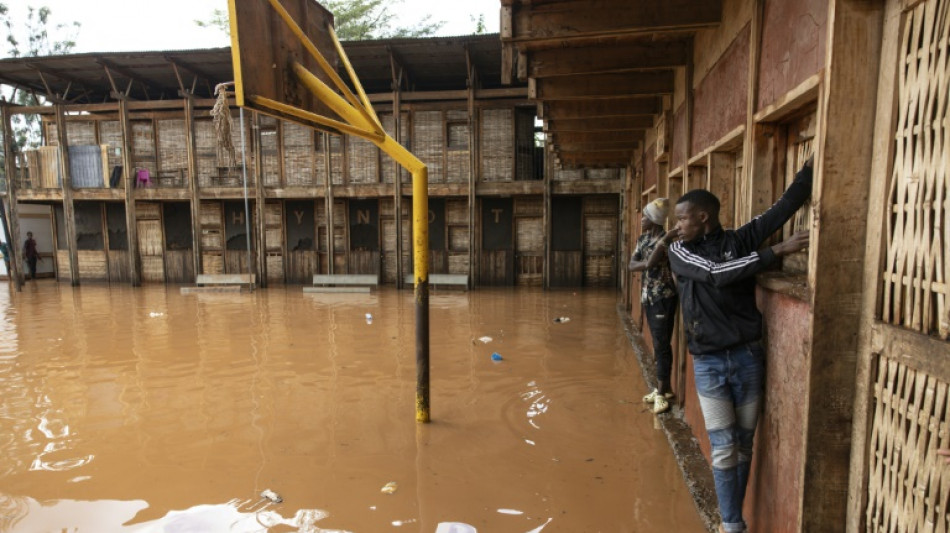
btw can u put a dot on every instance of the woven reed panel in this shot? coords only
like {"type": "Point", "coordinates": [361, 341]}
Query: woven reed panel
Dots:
{"type": "Point", "coordinates": [458, 166]}
{"type": "Point", "coordinates": [81, 133]}
{"type": "Point", "coordinates": [62, 263]}
{"type": "Point", "coordinates": [916, 266]}
{"type": "Point", "coordinates": [908, 485]}
{"type": "Point", "coordinates": [529, 234]}
{"type": "Point", "coordinates": [458, 263]}
{"type": "Point", "coordinates": [92, 264]}
{"type": "Point", "coordinates": [456, 211]}
{"type": "Point", "coordinates": [428, 143]}
{"type": "Point", "coordinates": [388, 230]}
{"type": "Point", "coordinates": [601, 205]}
{"type": "Point", "coordinates": [362, 159]}
{"type": "Point", "coordinates": [206, 152]}
{"type": "Point", "coordinates": [272, 237]}
{"type": "Point", "coordinates": [387, 207]}
{"type": "Point", "coordinates": [568, 175]}
{"type": "Point", "coordinates": [211, 239]}
{"type": "Point", "coordinates": [52, 138]}
{"type": "Point", "coordinates": [272, 214]}
{"type": "Point", "coordinates": [150, 237]}
{"type": "Point", "coordinates": [153, 269]}
{"type": "Point", "coordinates": [458, 238]}
{"type": "Point", "coordinates": [172, 145]}
{"type": "Point", "coordinates": [600, 234]}
{"type": "Point", "coordinates": [298, 155]}
{"type": "Point", "coordinates": [275, 267]}
{"type": "Point", "coordinates": [497, 144]}
{"type": "Point", "coordinates": [336, 160]}
{"type": "Point", "coordinates": [212, 263]}
{"type": "Point", "coordinates": [270, 155]}
{"type": "Point", "coordinates": [209, 213]}
{"type": "Point", "coordinates": [598, 271]}
{"type": "Point", "coordinates": [603, 173]}
{"type": "Point", "coordinates": [388, 166]}
{"type": "Point", "coordinates": [458, 155]}
{"type": "Point", "coordinates": [148, 210]}
{"type": "Point", "coordinates": [143, 145]}
{"type": "Point", "coordinates": [319, 162]}
{"type": "Point", "coordinates": [533, 206]}
{"type": "Point", "coordinates": [110, 134]}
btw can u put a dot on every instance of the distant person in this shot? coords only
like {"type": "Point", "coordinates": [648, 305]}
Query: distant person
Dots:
{"type": "Point", "coordinates": [30, 254]}
{"type": "Point", "coordinates": [5, 250]}
{"type": "Point", "coordinates": [715, 273]}
{"type": "Point", "coordinates": [657, 296]}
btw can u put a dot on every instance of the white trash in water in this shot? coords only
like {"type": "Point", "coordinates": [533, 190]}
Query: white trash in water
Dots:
{"type": "Point", "coordinates": [369, 318]}
{"type": "Point", "coordinates": [454, 527]}
{"type": "Point", "coordinates": [271, 495]}
{"type": "Point", "coordinates": [485, 340]}
{"type": "Point", "coordinates": [154, 314]}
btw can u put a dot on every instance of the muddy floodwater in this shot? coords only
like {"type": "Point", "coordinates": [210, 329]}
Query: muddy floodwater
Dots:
{"type": "Point", "coordinates": [145, 410]}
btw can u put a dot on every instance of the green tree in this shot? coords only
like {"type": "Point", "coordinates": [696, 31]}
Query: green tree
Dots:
{"type": "Point", "coordinates": [354, 20]}
{"type": "Point", "coordinates": [36, 36]}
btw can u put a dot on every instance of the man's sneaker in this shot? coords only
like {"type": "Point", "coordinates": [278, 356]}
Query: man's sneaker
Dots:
{"type": "Point", "coordinates": [661, 404]}
{"type": "Point", "coordinates": [651, 398]}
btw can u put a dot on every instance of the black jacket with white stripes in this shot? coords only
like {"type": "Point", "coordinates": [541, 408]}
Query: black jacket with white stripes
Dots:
{"type": "Point", "coordinates": [715, 275]}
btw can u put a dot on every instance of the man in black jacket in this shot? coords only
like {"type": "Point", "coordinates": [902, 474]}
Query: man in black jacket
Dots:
{"type": "Point", "coordinates": [715, 273]}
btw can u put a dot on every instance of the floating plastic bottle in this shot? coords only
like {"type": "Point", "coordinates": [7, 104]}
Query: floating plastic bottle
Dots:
{"type": "Point", "coordinates": [369, 318]}
{"type": "Point", "coordinates": [496, 357]}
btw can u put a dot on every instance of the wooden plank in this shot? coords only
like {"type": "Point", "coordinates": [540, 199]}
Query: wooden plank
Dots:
{"type": "Point", "coordinates": [607, 58]}
{"type": "Point", "coordinates": [130, 208]}
{"type": "Point", "coordinates": [558, 22]}
{"type": "Point", "coordinates": [357, 289]}
{"type": "Point", "coordinates": [67, 187]}
{"type": "Point", "coordinates": [594, 109]}
{"type": "Point", "coordinates": [584, 124]}
{"type": "Point", "coordinates": [603, 86]}
{"type": "Point", "coordinates": [843, 170]}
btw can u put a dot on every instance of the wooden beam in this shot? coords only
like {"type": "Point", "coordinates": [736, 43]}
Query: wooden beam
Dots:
{"type": "Point", "coordinates": [132, 76]}
{"type": "Point", "coordinates": [11, 212]}
{"type": "Point", "coordinates": [607, 58]}
{"type": "Point", "coordinates": [603, 86]}
{"type": "Point", "coordinates": [594, 147]}
{"type": "Point", "coordinates": [599, 124]}
{"type": "Point", "coordinates": [544, 24]}
{"type": "Point", "coordinates": [594, 137]}
{"type": "Point", "coordinates": [131, 223]}
{"type": "Point", "coordinates": [573, 109]}
{"type": "Point", "coordinates": [67, 186]}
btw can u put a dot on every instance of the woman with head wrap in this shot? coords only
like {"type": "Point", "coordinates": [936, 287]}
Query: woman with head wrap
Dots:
{"type": "Point", "coordinates": [658, 296]}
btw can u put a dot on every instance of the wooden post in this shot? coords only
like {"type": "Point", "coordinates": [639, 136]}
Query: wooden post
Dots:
{"type": "Point", "coordinates": [882, 155]}
{"type": "Point", "coordinates": [720, 174]}
{"type": "Point", "coordinates": [67, 187]}
{"type": "Point", "coordinates": [331, 255]}
{"type": "Point", "coordinates": [846, 116]}
{"type": "Point", "coordinates": [472, 175]}
{"type": "Point", "coordinates": [259, 203]}
{"type": "Point", "coordinates": [130, 219]}
{"type": "Point", "coordinates": [745, 190]}
{"type": "Point", "coordinates": [397, 179]}
{"type": "Point", "coordinates": [11, 214]}
{"type": "Point", "coordinates": [193, 183]}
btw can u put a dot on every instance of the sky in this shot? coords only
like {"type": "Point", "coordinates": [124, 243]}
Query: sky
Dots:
{"type": "Point", "coordinates": [142, 25]}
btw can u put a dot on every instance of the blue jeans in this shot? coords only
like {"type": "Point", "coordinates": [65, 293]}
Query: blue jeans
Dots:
{"type": "Point", "coordinates": [729, 384]}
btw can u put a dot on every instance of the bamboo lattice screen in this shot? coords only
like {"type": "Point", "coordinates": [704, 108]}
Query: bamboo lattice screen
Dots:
{"type": "Point", "coordinates": [915, 288]}
{"type": "Point", "coordinates": [908, 485]}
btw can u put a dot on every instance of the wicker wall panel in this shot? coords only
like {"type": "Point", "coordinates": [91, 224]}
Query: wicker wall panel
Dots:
{"type": "Point", "coordinates": [603, 173]}
{"type": "Point", "coordinates": [362, 158]}
{"type": "Point", "coordinates": [908, 489]}
{"type": "Point", "coordinates": [92, 265]}
{"type": "Point", "coordinates": [568, 175]}
{"type": "Point", "coordinates": [206, 152]}
{"type": "Point", "coordinates": [143, 145]}
{"type": "Point", "coordinates": [428, 142]}
{"type": "Point", "coordinates": [916, 274]}
{"type": "Point", "coordinates": [388, 166]}
{"type": "Point", "coordinates": [456, 211]}
{"type": "Point", "coordinates": [601, 205]}
{"type": "Point", "coordinates": [336, 159]}
{"type": "Point", "coordinates": [298, 155]}
{"type": "Point", "coordinates": [81, 133]}
{"type": "Point", "coordinates": [172, 145]}
{"type": "Point", "coordinates": [319, 159]}
{"type": "Point", "coordinates": [497, 144]}
{"type": "Point", "coordinates": [529, 206]}
{"type": "Point", "coordinates": [110, 134]}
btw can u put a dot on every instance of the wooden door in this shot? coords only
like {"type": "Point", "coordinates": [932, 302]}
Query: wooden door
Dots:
{"type": "Point", "coordinates": [497, 257]}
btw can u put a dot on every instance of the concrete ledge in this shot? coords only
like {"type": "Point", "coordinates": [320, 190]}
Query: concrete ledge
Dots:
{"type": "Point", "coordinates": [218, 288]}
{"type": "Point", "coordinates": [696, 471]}
{"type": "Point", "coordinates": [312, 290]}
{"type": "Point", "coordinates": [369, 280]}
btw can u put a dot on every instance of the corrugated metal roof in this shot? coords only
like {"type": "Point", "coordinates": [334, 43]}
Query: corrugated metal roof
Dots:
{"type": "Point", "coordinates": [430, 64]}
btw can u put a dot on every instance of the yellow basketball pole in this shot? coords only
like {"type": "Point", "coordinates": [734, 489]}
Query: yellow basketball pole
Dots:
{"type": "Point", "coordinates": [359, 119]}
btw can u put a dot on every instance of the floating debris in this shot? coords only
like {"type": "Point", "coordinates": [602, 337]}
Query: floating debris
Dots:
{"type": "Point", "coordinates": [485, 340]}
{"type": "Point", "coordinates": [496, 357]}
{"type": "Point", "coordinates": [389, 488]}
{"type": "Point", "coordinates": [562, 319]}
{"type": "Point", "coordinates": [268, 494]}
{"type": "Point", "coordinates": [154, 314]}
{"type": "Point", "coordinates": [369, 318]}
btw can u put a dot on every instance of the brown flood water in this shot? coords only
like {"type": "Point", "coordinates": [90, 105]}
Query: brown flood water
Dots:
{"type": "Point", "coordinates": [144, 410]}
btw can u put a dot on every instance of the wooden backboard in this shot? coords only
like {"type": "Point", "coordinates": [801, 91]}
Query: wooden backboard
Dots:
{"type": "Point", "coordinates": [264, 48]}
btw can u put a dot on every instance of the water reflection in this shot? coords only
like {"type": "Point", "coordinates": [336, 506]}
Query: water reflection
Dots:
{"type": "Point", "coordinates": [146, 410]}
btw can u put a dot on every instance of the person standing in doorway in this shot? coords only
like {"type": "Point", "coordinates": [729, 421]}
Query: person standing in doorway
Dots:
{"type": "Point", "coordinates": [715, 274]}
{"type": "Point", "coordinates": [30, 254]}
{"type": "Point", "coordinates": [658, 297]}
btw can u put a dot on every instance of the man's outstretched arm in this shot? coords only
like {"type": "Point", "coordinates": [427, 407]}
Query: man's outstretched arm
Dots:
{"type": "Point", "coordinates": [689, 265]}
